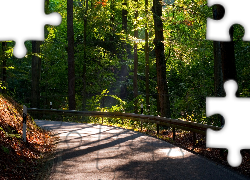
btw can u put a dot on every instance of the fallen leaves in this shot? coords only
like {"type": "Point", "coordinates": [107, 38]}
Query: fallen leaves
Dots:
{"type": "Point", "coordinates": [19, 160]}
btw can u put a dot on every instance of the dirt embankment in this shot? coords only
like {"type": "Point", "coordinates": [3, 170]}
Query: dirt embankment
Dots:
{"type": "Point", "coordinates": [20, 160]}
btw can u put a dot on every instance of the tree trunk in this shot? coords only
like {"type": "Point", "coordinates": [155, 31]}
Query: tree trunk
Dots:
{"type": "Point", "coordinates": [147, 56]}
{"type": "Point", "coordinates": [36, 74]}
{"type": "Point", "coordinates": [124, 69]}
{"type": "Point", "coordinates": [160, 61]}
{"type": "Point", "coordinates": [71, 63]}
{"type": "Point", "coordinates": [84, 58]}
{"type": "Point", "coordinates": [224, 59]}
{"type": "Point", "coordinates": [135, 86]}
{"type": "Point", "coordinates": [3, 73]}
{"type": "Point", "coordinates": [228, 59]}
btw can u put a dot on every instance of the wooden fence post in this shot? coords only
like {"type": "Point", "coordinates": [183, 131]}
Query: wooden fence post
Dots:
{"type": "Point", "coordinates": [24, 122]}
{"type": "Point", "coordinates": [157, 129]}
{"type": "Point", "coordinates": [141, 114]}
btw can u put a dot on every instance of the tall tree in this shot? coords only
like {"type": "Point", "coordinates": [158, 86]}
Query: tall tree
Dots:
{"type": "Point", "coordinates": [224, 58]}
{"type": "Point", "coordinates": [36, 74]}
{"type": "Point", "coordinates": [84, 55]}
{"type": "Point", "coordinates": [160, 60]}
{"type": "Point", "coordinates": [71, 63]}
{"type": "Point", "coordinates": [135, 86]}
{"type": "Point", "coordinates": [124, 69]}
{"type": "Point", "coordinates": [147, 55]}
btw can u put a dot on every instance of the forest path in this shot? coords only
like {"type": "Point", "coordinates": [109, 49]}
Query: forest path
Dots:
{"type": "Point", "coordinates": [98, 152]}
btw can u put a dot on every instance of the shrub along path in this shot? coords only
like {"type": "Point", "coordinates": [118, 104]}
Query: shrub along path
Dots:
{"type": "Point", "coordinates": [90, 151]}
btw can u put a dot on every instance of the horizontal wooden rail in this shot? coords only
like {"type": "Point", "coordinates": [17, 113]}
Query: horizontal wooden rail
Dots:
{"type": "Point", "coordinates": [175, 123]}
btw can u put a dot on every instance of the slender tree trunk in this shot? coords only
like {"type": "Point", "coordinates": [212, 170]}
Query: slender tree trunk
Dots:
{"type": "Point", "coordinates": [3, 73]}
{"type": "Point", "coordinates": [147, 56]}
{"type": "Point", "coordinates": [218, 75]}
{"type": "Point", "coordinates": [135, 86]}
{"type": "Point", "coordinates": [160, 61]}
{"type": "Point", "coordinates": [36, 74]}
{"type": "Point", "coordinates": [85, 56]}
{"type": "Point", "coordinates": [71, 63]}
{"type": "Point", "coordinates": [124, 68]}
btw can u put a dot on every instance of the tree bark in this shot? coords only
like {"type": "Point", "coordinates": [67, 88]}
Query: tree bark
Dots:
{"type": "Point", "coordinates": [36, 74]}
{"type": "Point", "coordinates": [147, 56]}
{"type": "Point", "coordinates": [135, 86]}
{"type": "Point", "coordinates": [224, 59]}
{"type": "Point", "coordinates": [84, 57]}
{"type": "Point", "coordinates": [71, 63]}
{"type": "Point", "coordinates": [160, 61]}
{"type": "Point", "coordinates": [124, 69]}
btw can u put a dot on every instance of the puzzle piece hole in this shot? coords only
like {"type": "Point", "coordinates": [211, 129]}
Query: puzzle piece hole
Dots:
{"type": "Point", "coordinates": [19, 49]}
{"type": "Point", "coordinates": [218, 12]}
{"type": "Point", "coordinates": [231, 88]}
{"type": "Point", "coordinates": [239, 31]}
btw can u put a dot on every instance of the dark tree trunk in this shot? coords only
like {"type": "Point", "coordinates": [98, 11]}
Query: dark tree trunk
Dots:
{"type": "Point", "coordinates": [4, 73]}
{"type": "Point", "coordinates": [228, 59]}
{"type": "Point", "coordinates": [147, 57]}
{"type": "Point", "coordinates": [71, 63]}
{"type": "Point", "coordinates": [218, 75]}
{"type": "Point", "coordinates": [36, 74]}
{"type": "Point", "coordinates": [135, 86]}
{"type": "Point", "coordinates": [224, 59]}
{"type": "Point", "coordinates": [224, 55]}
{"type": "Point", "coordinates": [124, 69]}
{"type": "Point", "coordinates": [84, 57]}
{"type": "Point", "coordinates": [160, 61]}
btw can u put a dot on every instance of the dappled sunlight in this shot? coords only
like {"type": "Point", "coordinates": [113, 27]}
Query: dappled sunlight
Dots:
{"type": "Point", "coordinates": [174, 152]}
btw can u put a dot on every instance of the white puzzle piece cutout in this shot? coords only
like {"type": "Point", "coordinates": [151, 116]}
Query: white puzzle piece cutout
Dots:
{"type": "Point", "coordinates": [236, 12]}
{"type": "Point", "coordinates": [23, 20]}
{"type": "Point", "coordinates": [235, 133]}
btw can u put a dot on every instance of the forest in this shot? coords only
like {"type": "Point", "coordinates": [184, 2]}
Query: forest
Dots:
{"type": "Point", "coordinates": [114, 55]}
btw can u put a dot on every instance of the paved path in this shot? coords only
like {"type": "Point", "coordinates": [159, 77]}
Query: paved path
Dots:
{"type": "Point", "coordinates": [97, 152]}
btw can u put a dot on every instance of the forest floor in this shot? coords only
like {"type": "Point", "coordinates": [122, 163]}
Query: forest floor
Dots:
{"type": "Point", "coordinates": [184, 139]}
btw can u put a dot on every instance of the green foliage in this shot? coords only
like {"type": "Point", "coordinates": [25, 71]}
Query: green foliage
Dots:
{"type": "Point", "coordinates": [189, 59]}
{"type": "Point", "coordinates": [94, 104]}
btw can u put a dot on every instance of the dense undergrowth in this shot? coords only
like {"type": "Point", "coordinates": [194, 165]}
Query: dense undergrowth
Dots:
{"type": "Point", "coordinates": [20, 160]}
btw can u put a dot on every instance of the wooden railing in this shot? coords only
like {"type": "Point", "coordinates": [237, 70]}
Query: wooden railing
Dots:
{"type": "Point", "coordinates": [174, 123]}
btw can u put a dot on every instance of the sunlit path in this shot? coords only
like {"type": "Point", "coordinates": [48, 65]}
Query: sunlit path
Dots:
{"type": "Point", "coordinates": [88, 151]}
